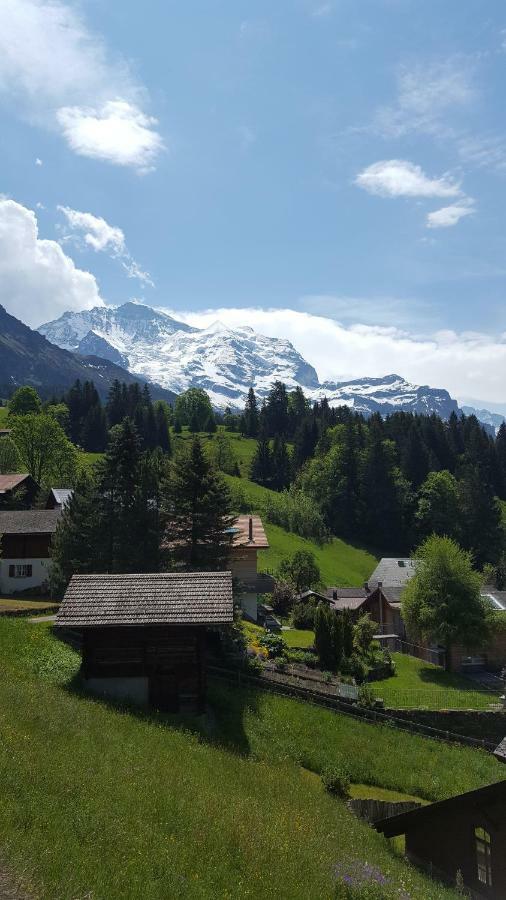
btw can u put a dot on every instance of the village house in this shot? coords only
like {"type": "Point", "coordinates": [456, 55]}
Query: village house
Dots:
{"type": "Point", "coordinates": [465, 834]}
{"type": "Point", "coordinates": [144, 636]}
{"type": "Point", "coordinates": [19, 490]}
{"type": "Point", "coordinates": [248, 537]}
{"type": "Point", "coordinates": [26, 549]}
{"type": "Point", "coordinates": [59, 498]}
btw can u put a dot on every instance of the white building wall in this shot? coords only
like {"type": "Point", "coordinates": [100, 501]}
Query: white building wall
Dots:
{"type": "Point", "coordinates": [40, 575]}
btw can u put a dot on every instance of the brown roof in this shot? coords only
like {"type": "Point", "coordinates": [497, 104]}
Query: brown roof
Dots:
{"type": "Point", "coordinates": [240, 533]}
{"type": "Point", "coordinates": [175, 598]}
{"type": "Point", "coordinates": [10, 482]}
{"type": "Point", "coordinates": [29, 521]}
{"type": "Point", "coordinates": [348, 603]}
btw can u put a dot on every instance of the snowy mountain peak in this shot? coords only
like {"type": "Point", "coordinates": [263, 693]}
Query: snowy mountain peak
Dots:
{"type": "Point", "coordinates": [225, 361]}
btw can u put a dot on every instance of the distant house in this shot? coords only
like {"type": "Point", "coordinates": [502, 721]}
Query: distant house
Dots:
{"type": "Point", "coordinates": [144, 636]}
{"type": "Point", "coordinates": [248, 537]}
{"type": "Point", "coordinates": [465, 834]}
{"type": "Point", "coordinates": [59, 498]}
{"type": "Point", "coordinates": [381, 603]}
{"type": "Point", "coordinates": [26, 548]}
{"type": "Point", "coordinates": [23, 486]}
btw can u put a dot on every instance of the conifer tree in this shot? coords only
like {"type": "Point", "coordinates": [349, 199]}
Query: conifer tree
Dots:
{"type": "Point", "coordinates": [250, 419]}
{"type": "Point", "coordinates": [261, 465]}
{"type": "Point", "coordinates": [281, 465]}
{"type": "Point", "coordinates": [116, 406]}
{"type": "Point", "coordinates": [197, 512]}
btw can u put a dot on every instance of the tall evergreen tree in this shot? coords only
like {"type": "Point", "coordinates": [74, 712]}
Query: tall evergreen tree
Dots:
{"type": "Point", "coordinates": [250, 419]}
{"type": "Point", "coordinates": [281, 465]}
{"type": "Point", "coordinates": [197, 512]}
{"type": "Point", "coordinates": [261, 469]}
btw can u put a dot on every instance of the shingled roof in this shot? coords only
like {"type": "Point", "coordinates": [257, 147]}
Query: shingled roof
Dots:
{"type": "Point", "coordinates": [13, 481]}
{"type": "Point", "coordinates": [241, 533]}
{"type": "Point", "coordinates": [175, 598]}
{"type": "Point", "coordinates": [29, 521]}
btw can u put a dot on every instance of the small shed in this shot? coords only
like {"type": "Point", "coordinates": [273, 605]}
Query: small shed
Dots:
{"type": "Point", "coordinates": [16, 486]}
{"type": "Point", "coordinates": [465, 834]}
{"type": "Point", "coordinates": [144, 636]}
{"type": "Point", "coordinates": [59, 498]}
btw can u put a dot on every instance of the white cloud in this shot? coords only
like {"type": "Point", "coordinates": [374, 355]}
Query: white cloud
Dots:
{"type": "Point", "coordinates": [401, 178]}
{"type": "Point", "coordinates": [102, 237]}
{"type": "Point", "coordinates": [118, 132]}
{"type": "Point", "coordinates": [466, 364]}
{"type": "Point", "coordinates": [426, 95]}
{"type": "Point", "coordinates": [38, 281]}
{"type": "Point", "coordinates": [38, 162]}
{"type": "Point", "coordinates": [450, 215]}
{"type": "Point", "coordinates": [58, 74]}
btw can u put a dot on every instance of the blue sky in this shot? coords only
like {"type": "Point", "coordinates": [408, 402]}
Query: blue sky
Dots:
{"type": "Point", "coordinates": [316, 169]}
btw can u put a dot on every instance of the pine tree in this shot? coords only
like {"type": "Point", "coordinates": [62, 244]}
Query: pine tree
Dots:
{"type": "Point", "coordinates": [281, 465]}
{"type": "Point", "coordinates": [250, 418]}
{"type": "Point", "coordinates": [162, 429]}
{"type": "Point", "coordinates": [77, 539]}
{"type": "Point", "coordinates": [115, 408]}
{"type": "Point", "coordinates": [261, 465]}
{"type": "Point", "coordinates": [480, 516]}
{"type": "Point", "coordinates": [276, 410]}
{"type": "Point", "coordinates": [94, 430]}
{"type": "Point", "coordinates": [323, 636]}
{"type": "Point", "coordinates": [197, 511]}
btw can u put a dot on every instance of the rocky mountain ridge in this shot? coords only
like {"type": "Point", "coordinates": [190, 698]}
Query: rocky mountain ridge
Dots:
{"type": "Point", "coordinates": [225, 362]}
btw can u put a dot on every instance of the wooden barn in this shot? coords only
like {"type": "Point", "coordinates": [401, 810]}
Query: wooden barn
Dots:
{"type": "Point", "coordinates": [144, 636]}
{"type": "Point", "coordinates": [465, 834]}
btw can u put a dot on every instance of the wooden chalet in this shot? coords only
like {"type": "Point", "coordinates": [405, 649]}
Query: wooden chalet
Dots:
{"type": "Point", "coordinates": [20, 490]}
{"type": "Point", "coordinates": [144, 636]}
{"type": "Point", "coordinates": [247, 538]}
{"type": "Point", "coordinates": [465, 834]}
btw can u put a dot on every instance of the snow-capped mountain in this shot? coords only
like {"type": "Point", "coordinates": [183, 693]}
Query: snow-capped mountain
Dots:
{"type": "Point", "coordinates": [225, 362]}
{"type": "Point", "coordinates": [493, 420]}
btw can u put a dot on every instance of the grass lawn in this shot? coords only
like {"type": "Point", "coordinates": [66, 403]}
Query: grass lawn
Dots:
{"type": "Point", "coordinates": [3, 416]}
{"type": "Point", "coordinates": [418, 683]}
{"type": "Point", "coordinates": [131, 805]}
{"type": "Point", "coordinates": [87, 460]}
{"type": "Point", "coordinates": [298, 638]}
{"type": "Point", "coordinates": [243, 448]}
{"type": "Point", "coordinates": [13, 604]}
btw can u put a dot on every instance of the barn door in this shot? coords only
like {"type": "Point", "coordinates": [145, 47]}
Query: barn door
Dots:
{"type": "Point", "coordinates": [164, 690]}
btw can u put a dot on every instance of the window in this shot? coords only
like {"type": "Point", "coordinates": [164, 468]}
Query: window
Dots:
{"type": "Point", "coordinates": [483, 856]}
{"type": "Point", "coordinates": [20, 571]}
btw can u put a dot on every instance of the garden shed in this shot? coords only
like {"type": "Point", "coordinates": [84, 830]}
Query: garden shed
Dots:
{"type": "Point", "coordinates": [144, 636]}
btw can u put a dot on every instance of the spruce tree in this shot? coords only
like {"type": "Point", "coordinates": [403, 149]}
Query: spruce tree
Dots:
{"type": "Point", "coordinates": [116, 406]}
{"type": "Point", "coordinates": [261, 465]}
{"type": "Point", "coordinates": [323, 636]}
{"type": "Point", "coordinates": [197, 512]}
{"type": "Point", "coordinates": [250, 418]}
{"type": "Point", "coordinates": [78, 537]}
{"type": "Point", "coordinates": [281, 465]}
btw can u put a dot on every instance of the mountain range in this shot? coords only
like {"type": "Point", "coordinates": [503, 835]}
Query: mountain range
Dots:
{"type": "Point", "coordinates": [225, 362]}
{"type": "Point", "coordinates": [26, 357]}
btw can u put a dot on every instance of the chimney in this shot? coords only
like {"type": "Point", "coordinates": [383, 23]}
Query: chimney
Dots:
{"type": "Point", "coordinates": [366, 586]}
{"type": "Point", "coordinates": [380, 584]}
{"type": "Point", "coordinates": [334, 595]}
{"type": "Point", "coordinates": [250, 526]}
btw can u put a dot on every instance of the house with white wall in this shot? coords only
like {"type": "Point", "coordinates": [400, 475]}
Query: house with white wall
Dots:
{"type": "Point", "coordinates": [26, 536]}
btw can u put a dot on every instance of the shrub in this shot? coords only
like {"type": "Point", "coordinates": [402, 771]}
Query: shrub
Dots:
{"type": "Point", "coordinates": [302, 658]}
{"type": "Point", "coordinates": [366, 696]}
{"type": "Point", "coordinates": [336, 781]}
{"type": "Point", "coordinates": [295, 511]}
{"type": "Point", "coordinates": [303, 616]}
{"type": "Point", "coordinates": [388, 662]}
{"type": "Point", "coordinates": [280, 663]}
{"type": "Point", "coordinates": [274, 644]}
{"type": "Point", "coordinates": [283, 598]}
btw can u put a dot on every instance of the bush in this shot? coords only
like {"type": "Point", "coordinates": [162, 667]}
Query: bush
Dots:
{"type": "Point", "coordinates": [366, 695]}
{"type": "Point", "coordinates": [282, 598]}
{"type": "Point", "coordinates": [302, 658]}
{"type": "Point", "coordinates": [356, 667]}
{"type": "Point", "coordinates": [295, 511]}
{"type": "Point", "coordinates": [336, 781]}
{"type": "Point", "coordinates": [303, 616]}
{"type": "Point", "coordinates": [388, 662]}
{"type": "Point", "coordinates": [280, 663]}
{"type": "Point", "coordinates": [274, 644]}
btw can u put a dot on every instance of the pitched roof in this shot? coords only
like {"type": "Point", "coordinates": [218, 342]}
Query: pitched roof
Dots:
{"type": "Point", "coordinates": [11, 482]}
{"type": "Point", "coordinates": [400, 824]}
{"type": "Point", "coordinates": [62, 495]}
{"type": "Point", "coordinates": [393, 572]}
{"type": "Point", "coordinates": [352, 603]}
{"type": "Point", "coordinates": [343, 592]}
{"type": "Point", "coordinates": [29, 521]}
{"type": "Point", "coordinates": [241, 531]}
{"type": "Point", "coordinates": [175, 598]}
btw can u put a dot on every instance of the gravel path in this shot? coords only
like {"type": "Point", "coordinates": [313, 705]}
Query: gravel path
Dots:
{"type": "Point", "coordinates": [9, 890]}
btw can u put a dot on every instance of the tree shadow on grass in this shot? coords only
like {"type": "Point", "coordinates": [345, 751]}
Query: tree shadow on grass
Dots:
{"type": "Point", "coordinates": [221, 725]}
{"type": "Point", "coordinates": [445, 680]}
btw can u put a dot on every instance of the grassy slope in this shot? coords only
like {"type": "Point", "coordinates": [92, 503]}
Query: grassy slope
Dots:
{"type": "Point", "coordinates": [104, 803]}
{"type": "Point", "coordinates": [3, 416]}
{"type": "Point", "coordinates": [418, 683]}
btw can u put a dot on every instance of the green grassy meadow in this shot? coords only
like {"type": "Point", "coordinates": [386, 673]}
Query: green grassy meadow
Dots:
{"type": "Point", "coordinates": [3, 416]}
{"type": "Point", "coordinates": [107, 803]}
{"type": "Point", "coordinates": [420, 684]}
